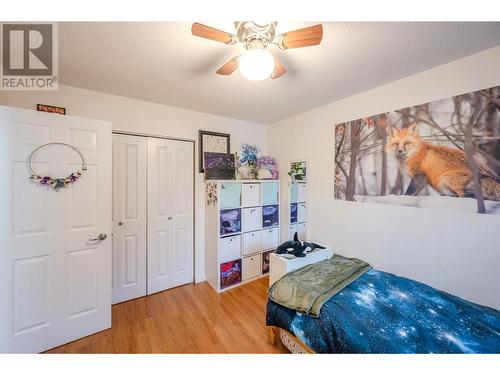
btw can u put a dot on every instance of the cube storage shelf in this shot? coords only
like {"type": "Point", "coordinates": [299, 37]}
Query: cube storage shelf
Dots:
{"type": "Point", "coordinates": [297, 218]}
{"type": "Point", "coordinates": [242, 229]}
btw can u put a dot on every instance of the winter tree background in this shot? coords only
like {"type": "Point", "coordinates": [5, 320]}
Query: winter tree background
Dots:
{"type": "Point", "coordinates": [365, 172]}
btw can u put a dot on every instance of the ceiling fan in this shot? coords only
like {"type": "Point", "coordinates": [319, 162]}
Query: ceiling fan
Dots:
{"type": "Point", "coordinates": [257, 63]}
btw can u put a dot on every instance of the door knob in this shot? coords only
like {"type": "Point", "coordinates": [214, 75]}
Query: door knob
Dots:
{"type": "Point", "coordinates": [120, 223]}
{"type": "Point", "coordinates": [170, 218]}
{"type": "Point", "coordinates": [100, 237]}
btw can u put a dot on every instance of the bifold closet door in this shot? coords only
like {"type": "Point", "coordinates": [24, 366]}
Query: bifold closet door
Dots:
{"type": "Point", "coordinates": [55, 258]}
{"type": "Point", "coordinates": [170, 214]}
{"type": "Point", "coordinates": [129, 217]}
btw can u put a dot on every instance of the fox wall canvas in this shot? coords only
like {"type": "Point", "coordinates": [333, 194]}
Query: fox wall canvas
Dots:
{"type": "Point", "coordinates": [443, 154]}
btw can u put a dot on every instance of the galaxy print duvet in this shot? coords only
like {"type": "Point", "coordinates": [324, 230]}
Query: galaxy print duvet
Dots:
{"type": "Point", "coordinates": [383, 313]}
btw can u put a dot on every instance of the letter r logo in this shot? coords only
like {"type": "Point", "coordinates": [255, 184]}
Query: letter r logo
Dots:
{"type": "Point", "coordinates": [27, 49]}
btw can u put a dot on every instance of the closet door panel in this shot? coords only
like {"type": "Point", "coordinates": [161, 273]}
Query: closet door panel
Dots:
{"type": "Point", "coordinates": [159, 224]}
{"type": "Point", "coordinates": [129, 217]}
{"type": "Point", "coordinates": [170, 224]}
{"type": "Point", "coordinates": [182, 216]}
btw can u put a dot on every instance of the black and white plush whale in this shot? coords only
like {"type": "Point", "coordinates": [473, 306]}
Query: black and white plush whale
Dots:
{"type": "Point", "coordinates": [296, 247]}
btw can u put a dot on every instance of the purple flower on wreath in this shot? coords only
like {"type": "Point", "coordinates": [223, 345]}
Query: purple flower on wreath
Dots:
{"type": "Point", "coordinates": [45, 180]}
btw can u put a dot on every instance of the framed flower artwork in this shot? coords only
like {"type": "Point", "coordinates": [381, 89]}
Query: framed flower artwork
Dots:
{"type": "Point", "coordinates": [211, 142]}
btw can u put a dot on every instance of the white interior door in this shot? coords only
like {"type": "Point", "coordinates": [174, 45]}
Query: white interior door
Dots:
{"type": "Point", "coordinates": [170, 214]}
{"type": "Point", "coordinates": [129, 217]}
{"type": "Point", "coordinates": [56, 281]}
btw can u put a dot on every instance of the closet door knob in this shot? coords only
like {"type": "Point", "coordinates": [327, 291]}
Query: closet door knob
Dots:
{"type": "Point", "coordinates": [120, 223]}
{"type": "Point", "coordinates": [170, 218]}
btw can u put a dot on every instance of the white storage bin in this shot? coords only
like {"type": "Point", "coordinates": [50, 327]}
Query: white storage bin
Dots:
{"type": "Point", "coordinates": [302, 192]}
{"type": "Point", "coordinates": [251, 243]}
{"type": "Point", "coordinates": [270, 238]}
{"type": "Point", "coordinates": [230, 248]}
{"type": "Point", "coordinates": [250, 195]}
{"type": "Point", "coordinates": [279, 266]}
{"type": "Point", "coordinates": [302, 213]}
{"type": "Point", "coordinates": [251, 219]}
{"type": "Point", "coordinates": [251, 267]}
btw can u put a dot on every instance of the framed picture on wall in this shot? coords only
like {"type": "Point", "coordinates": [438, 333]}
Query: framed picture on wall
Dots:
{"type": "Point", "coordinates": [211, 142]}
{"type": "Point", "coordinates": [219, 166]}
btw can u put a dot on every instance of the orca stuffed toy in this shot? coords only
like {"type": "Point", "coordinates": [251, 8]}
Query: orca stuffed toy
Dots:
{"type": "Point", "coordinates": [296, 247]}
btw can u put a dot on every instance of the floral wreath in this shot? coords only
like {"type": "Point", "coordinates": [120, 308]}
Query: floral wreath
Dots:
{"type": "Point", "coordinates": [56, 183]}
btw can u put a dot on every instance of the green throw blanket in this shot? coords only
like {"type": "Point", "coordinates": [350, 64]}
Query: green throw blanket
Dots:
{"type": "Point", "coordinates": [308, 288]}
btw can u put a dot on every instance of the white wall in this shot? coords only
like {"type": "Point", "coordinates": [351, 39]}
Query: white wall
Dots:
{"type": "Point", "coordinates": [144, 117]}
{"type": "Point", "coordinates": [455, 252]}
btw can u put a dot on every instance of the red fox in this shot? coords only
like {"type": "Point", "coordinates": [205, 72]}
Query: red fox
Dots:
{"type": "Point", "coordinates": [444, 168]}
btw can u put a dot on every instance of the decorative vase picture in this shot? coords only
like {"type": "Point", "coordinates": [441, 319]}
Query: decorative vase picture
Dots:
{"type": "Point", "coordinates": [230, 221]}
{"type": "Point", "coordinates": [297, 171]}
{"type": "Point", "coordinates": [247, 162]}
{"type": "Point", "coordinates": [267, 168]}
{"type": "Point", "coordinates": [270, 216]}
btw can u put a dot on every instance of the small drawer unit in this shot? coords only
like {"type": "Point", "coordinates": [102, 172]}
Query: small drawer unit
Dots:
{"type": "Point", "coordinates": [241, 224]}
{"type": "Point", "coordinates": [265, 261]}
{"type": "Point", "coordinates": [230, 195]}
{"type": "Point", "coordinates": [229, 221]}
{"type": "Point", "coordinates": [230, 273]}
{"type": "Point", "coordinates": [270, 216]}
{"type": "Point", "coordinates": [302, 231]}
{"type": "Point", "coordinates": [302, 213]}
{"type": "Point", "coordinates": [251, 267]}
{"type": "Point", "coordinates": [230, 248]}
{"type": "Point", "coordinates": [294, 192]}
{"type": "Point", "coordinates": [250, 195]}
{"type": "Point", "coordinates": [302, 192]}
{"type": "Point", "coordinates": [251, 219]}
{"type": "Point", "coordinates": [293, 212]}
{"type": "Point", "coordinates": [270, 193]}
{"type": "Point", "coordinates": [251, 242]}
{"type": "Point", "coordinates": [270, 238]}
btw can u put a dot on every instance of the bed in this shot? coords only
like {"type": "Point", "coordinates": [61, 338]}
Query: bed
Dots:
{"type": "Point", "coordinates": [379, 312]}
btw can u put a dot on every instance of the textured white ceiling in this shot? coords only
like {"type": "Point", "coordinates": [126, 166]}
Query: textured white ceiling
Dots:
{"type": "Point", "coordinates": [164, 63]}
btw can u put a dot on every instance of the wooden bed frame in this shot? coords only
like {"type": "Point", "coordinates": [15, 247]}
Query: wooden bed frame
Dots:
{"type": "Point", "coordinates": [292, 343]}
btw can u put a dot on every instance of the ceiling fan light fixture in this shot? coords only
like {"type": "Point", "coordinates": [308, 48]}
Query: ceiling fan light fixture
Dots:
{"type": "Point", "coordinates": [256, 64]}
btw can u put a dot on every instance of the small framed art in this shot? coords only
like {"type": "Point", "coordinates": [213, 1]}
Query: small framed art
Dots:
{"type": "Point", "coordinates": [212, 142]}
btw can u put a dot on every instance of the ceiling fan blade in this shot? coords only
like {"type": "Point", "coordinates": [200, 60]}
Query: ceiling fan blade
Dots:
{"type": "Point", "coordinates": [229, 67]}
{"type": "Point", "coordinates": [208, 32]}
{"type": "Point", "coordinates": [309, 36]}
{"type": "Point", "coordinates": [278, 70]}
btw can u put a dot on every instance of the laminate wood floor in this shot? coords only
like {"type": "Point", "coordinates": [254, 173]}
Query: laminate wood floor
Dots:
{"type": "Point", "coordinates": [189, 319]}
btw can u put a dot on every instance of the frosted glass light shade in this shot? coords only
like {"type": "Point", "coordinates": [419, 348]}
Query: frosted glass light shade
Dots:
{"type": "Point", "coordinates": [256, 64]}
